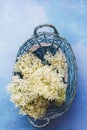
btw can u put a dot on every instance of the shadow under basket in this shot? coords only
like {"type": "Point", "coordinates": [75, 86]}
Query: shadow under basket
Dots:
{"type": "Point", "coordinates": [40, 43]}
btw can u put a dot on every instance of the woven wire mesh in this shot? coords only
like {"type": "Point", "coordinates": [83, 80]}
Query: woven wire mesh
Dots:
{"type": "Point", "coordinates": [64, 45]}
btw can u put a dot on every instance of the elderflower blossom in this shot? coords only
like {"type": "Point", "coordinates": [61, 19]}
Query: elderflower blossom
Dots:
{"type": "Point", "coordinates": [40, 84]}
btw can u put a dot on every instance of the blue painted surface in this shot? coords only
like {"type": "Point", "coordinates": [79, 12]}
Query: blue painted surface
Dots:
{"type": "Point", "coordinates": [17, 21]}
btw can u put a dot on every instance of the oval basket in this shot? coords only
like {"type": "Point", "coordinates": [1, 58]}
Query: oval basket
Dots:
{"type": "Point", "coordinates": [40, 43]}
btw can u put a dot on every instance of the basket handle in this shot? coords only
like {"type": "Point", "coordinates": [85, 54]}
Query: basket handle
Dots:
{"type": "Point", "coordinates": [40, 124]}
{"type": "Point", "coordinates": [46, 25]}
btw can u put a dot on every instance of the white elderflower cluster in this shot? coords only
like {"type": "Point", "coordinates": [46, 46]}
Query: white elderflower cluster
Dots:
{"type": "Point", "coordinates": [40, 84]}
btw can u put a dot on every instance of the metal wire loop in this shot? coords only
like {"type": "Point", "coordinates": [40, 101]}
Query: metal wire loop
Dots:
{"type": "Point", "coordinates": [46, 25]}
{"type": "Point", "coordinates": [39, 125]}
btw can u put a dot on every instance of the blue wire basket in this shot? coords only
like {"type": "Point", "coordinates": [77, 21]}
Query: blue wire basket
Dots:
{"type": "Point", "coordinates": [40, 43]}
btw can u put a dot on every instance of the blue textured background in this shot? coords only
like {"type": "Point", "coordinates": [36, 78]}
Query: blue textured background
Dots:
{"type": "Point", "coordinates": [17, 21]}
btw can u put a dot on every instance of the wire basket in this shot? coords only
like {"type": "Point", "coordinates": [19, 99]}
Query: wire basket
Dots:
{"type": "Point", "coordinates": [40, 43]}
